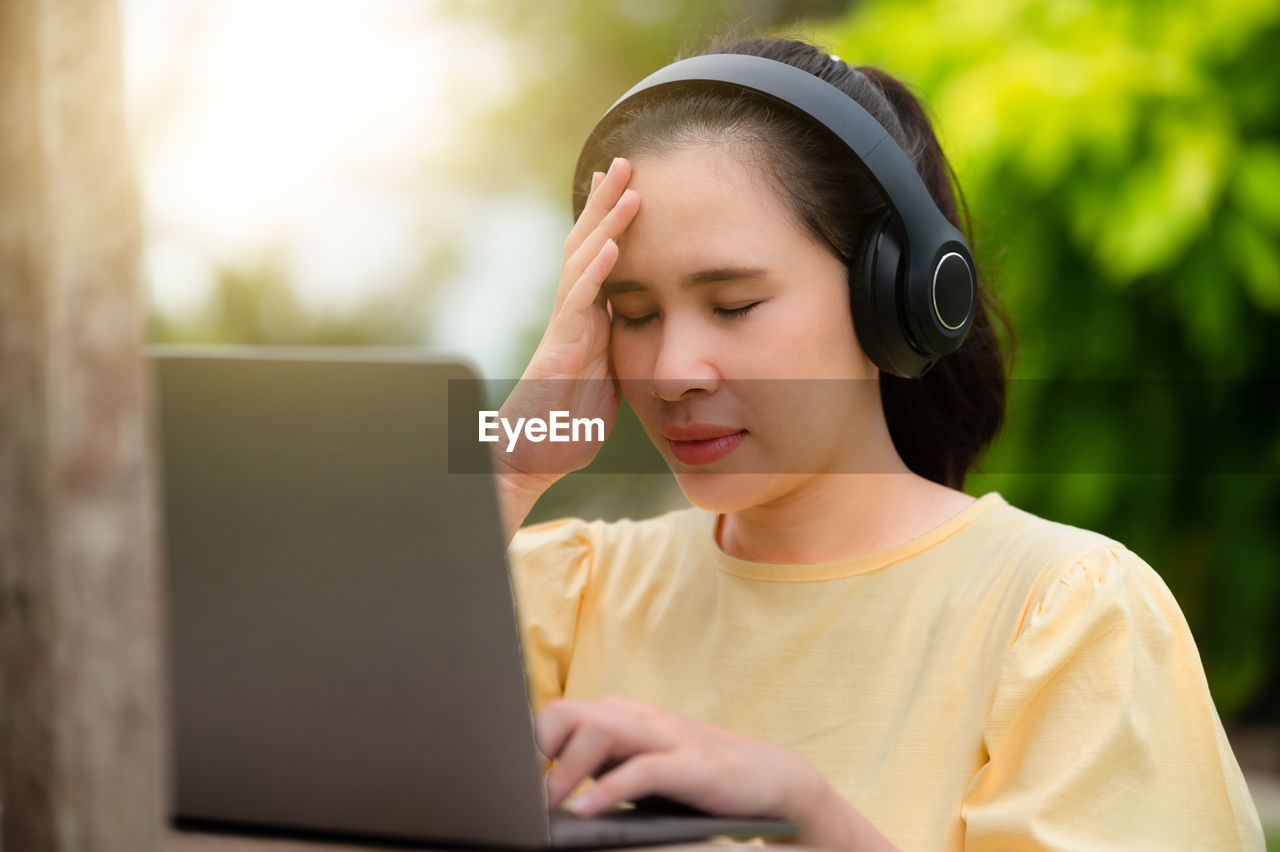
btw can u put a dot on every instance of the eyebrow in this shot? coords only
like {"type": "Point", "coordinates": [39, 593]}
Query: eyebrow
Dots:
{"type": "Point", "coordinates": [705, 276]}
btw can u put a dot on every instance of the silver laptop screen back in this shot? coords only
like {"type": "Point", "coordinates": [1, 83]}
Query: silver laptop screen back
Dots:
{"type": "Point", "coordinates": [344, 654]}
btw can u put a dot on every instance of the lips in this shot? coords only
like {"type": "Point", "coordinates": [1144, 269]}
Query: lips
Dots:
{"type": "Point", "coordinates": [695, 443]}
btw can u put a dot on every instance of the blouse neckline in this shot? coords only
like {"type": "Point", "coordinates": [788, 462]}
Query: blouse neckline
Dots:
{"type": "Point", "coordinates": [816, 571]}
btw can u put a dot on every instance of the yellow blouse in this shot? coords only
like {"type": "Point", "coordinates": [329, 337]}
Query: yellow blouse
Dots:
{"type": "Point", "coordinates": [1002, 682]}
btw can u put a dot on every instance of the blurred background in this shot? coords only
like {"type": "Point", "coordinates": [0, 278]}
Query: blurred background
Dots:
{"type": "Point", "coordinates": [397, 172]}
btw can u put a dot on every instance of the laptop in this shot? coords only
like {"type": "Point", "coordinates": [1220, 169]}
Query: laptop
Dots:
{"type": "Point", "coordinates": [344, 653]}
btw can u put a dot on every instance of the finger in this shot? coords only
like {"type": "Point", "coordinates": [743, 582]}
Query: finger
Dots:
{"type": "Point", "coordinates": [555, 722]}
{"type": "Point", "coordinates": [599, 203]}
{"type": "Point", "coordinates": [586, 289]}
{"type": "Point", "coordinates": [610, 210]}
{"type": "Point", "coordinates": [588, 749]}
{"type": "Point", "coordinates": [605, 191]}
{"type": "Point", "coordinates": [643, 775]}
{"type": "Point", "coordinates": [610, 228]}
{"type": "Point", "coordinates": [609, 731]}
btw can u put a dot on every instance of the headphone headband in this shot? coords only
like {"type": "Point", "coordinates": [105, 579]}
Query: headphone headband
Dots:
{"type": "Point", "coordinates": [936, 289]}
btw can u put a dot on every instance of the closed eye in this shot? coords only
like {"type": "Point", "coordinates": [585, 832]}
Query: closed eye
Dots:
{"type": "Point", "coordinates": [735, 313]}
{"type": "Point", "coordinates": [642, 321]}
{"type": "Point", "coordinates": [635, 322]}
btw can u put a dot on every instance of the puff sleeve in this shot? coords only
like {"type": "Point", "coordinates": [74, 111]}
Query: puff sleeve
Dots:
{"type": "Point", "coordinates": [1102, 734]}
{"type": "Point", "coordinates": [551, 569]}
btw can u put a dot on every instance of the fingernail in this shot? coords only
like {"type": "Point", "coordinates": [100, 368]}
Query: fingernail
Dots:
{"type": "Point", "coordinates": [614, 164]}
{"type": "Point", "coordinates": [580, 805]}
{"type": "Point", "coordinates": [596, 177]}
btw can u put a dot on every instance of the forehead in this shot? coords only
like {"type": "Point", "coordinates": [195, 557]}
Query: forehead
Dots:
{"type": "Point", "coordinates": [701, 205]}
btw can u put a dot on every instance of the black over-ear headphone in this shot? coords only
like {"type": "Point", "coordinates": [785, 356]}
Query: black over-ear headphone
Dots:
{"type": "Point", "coordinates": [913, 288]}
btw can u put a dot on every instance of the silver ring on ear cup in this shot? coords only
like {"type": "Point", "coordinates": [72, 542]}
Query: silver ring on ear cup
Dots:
{"type": "Point", "coordinates": [949, 297]}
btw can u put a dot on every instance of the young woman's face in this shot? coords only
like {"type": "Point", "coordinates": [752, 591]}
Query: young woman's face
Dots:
{"type": "Point", "coordinates": [724, 312]}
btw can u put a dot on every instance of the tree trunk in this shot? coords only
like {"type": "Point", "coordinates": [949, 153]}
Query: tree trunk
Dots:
{"type": "Point", "coordinates": [81, 728]}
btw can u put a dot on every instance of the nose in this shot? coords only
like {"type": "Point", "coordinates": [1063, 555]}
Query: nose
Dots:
{"type": "Point", "coordinates": [685, 362]}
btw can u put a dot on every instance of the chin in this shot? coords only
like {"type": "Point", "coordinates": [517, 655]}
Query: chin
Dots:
{"type": "Point", "coordinates": [727, 492]}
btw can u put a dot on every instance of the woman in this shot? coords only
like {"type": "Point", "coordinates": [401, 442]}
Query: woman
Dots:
{"type": "Point", "coordinates": [834, 633]}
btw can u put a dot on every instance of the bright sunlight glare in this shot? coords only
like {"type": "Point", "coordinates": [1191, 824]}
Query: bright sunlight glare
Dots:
{"type": "Point", "coordinates": [296, 129]}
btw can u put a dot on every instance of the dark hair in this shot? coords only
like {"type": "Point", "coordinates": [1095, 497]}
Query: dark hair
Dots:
{"type": "Point", "coordinates": [942, 421]}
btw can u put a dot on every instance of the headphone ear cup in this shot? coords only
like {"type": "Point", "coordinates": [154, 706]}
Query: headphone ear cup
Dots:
{"type": "Point", "coordinates": [875, 299]}
{"type": "Point", "coordinates": [862, 295]}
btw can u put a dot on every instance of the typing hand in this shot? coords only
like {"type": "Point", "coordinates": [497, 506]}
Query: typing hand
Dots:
{"type": "Point", "coordinates": [634, 750]}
